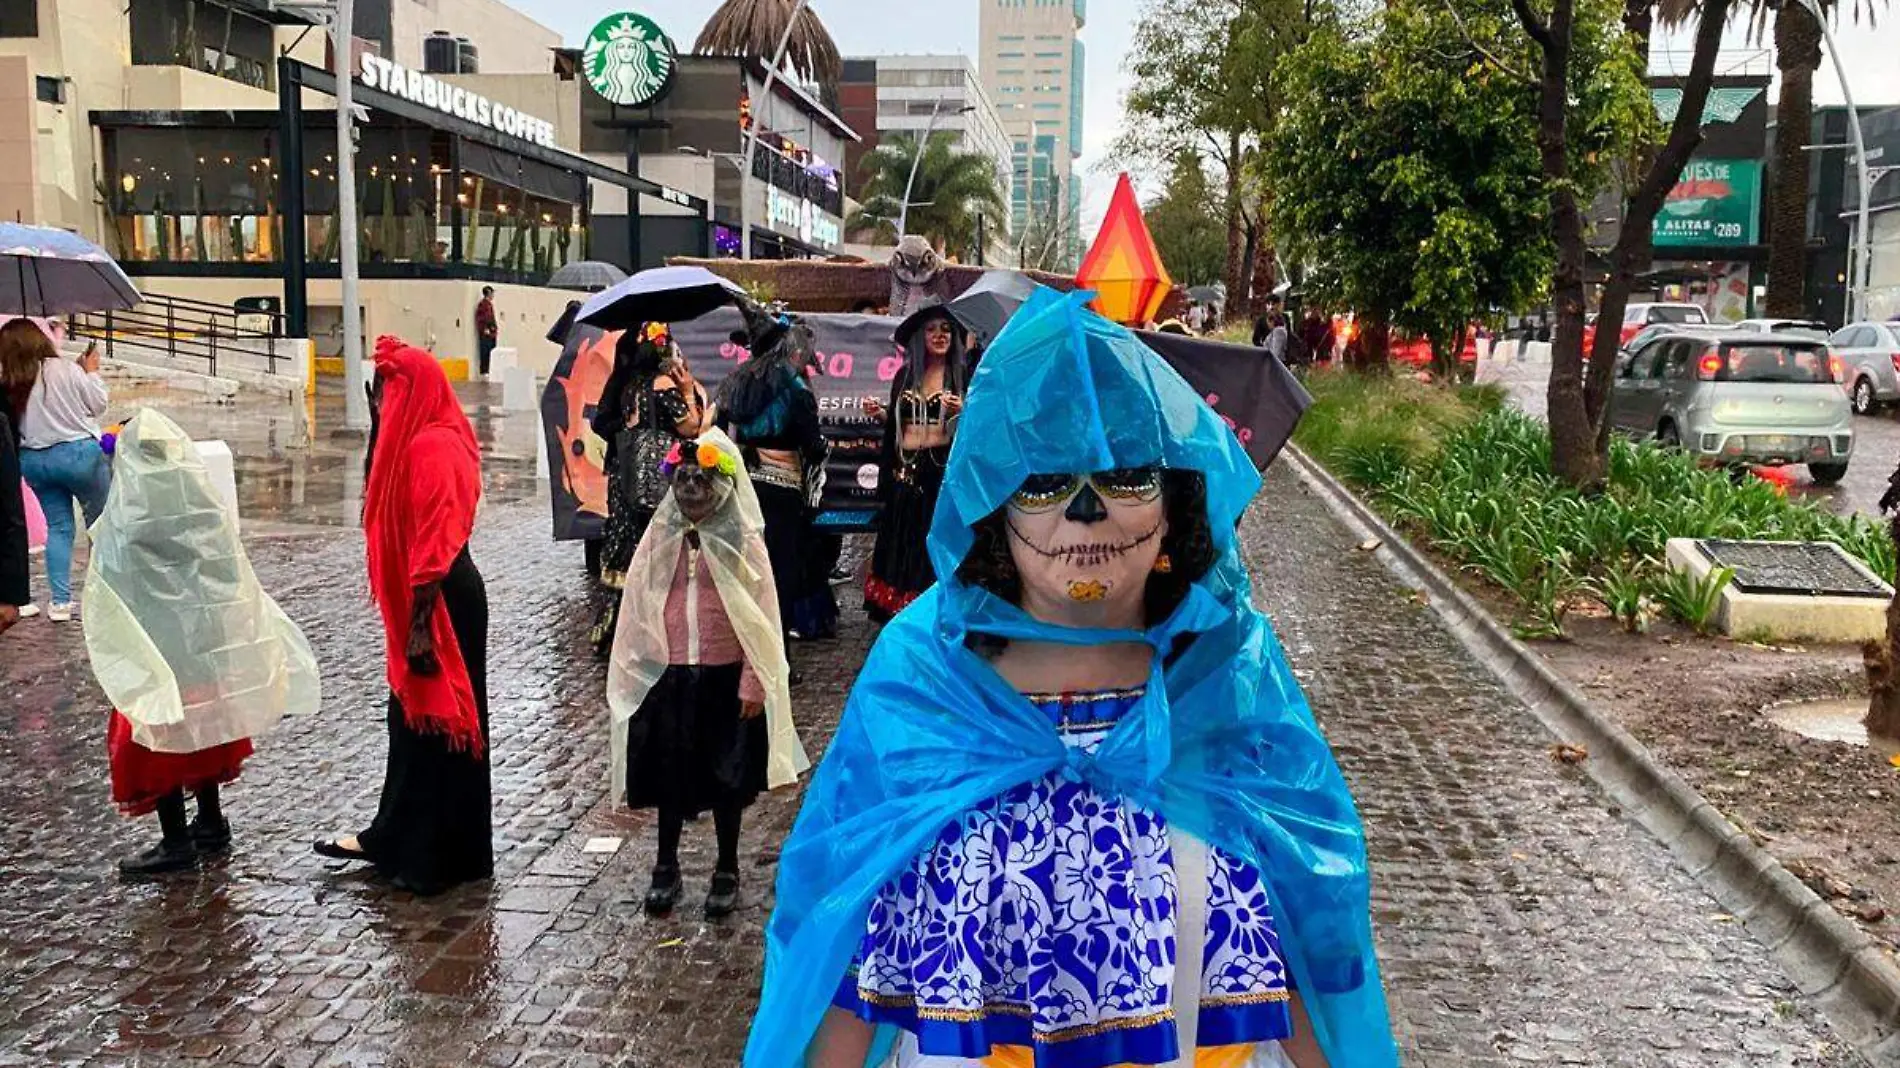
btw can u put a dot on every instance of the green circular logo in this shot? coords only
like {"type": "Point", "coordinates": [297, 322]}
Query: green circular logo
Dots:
{"type": "Point", "coordinates": [628, 60]}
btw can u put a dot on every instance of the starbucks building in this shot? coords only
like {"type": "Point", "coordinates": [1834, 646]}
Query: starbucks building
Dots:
{"type": "Point", "coordinates": [487, 155]}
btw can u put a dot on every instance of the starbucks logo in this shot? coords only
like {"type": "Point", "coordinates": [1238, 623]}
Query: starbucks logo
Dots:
{"type": "Point", "coordinates": [628, 60]}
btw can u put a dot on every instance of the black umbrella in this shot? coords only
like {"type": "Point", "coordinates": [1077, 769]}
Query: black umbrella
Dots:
{"type": "Point", "coordinates": [1252, 390]}
{"type": "Point", "coordinates": [587, 276]}
{"type": "Point", "coordinates": [659, 295]}
{"type": "Point", "coordinates": [987, 305]}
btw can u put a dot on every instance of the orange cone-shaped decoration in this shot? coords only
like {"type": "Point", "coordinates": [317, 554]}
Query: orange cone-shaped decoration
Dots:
{"type": "Point", "coordinates": [1123, 267]}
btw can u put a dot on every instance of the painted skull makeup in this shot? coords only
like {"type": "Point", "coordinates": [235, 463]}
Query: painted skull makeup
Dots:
{"type": "Point", "coordinates": [1085, 544]}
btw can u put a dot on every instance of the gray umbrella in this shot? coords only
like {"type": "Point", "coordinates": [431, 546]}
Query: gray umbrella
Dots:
{"type": "Point", "coordinates": [44, 271]}
{"type": "Point", "coordinates": [659, 295]}
{"type": "Point", "coordinates": [987, 305]}
{"type": "Point", "coordinates": [587, 276]}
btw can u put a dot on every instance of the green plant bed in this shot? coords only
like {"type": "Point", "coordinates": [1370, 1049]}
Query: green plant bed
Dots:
{"type": "Point", "coordinates": [1456, 467]}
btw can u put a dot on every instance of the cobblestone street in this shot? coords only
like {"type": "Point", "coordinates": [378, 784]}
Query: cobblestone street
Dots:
{"type": "Point", "coordinates": [1521, 921]}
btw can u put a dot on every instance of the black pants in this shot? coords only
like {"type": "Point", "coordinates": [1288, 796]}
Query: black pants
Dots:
{"type": "Point", "coordinates": [486, 346]}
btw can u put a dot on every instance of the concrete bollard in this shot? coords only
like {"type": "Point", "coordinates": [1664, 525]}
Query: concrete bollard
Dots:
{"type": "Point", "coordinates": [517, 390]}
{"type": "Point", "coordinates": [540, 447]}
{"type": "Point", "coordinates": [222, 471]}
{"type": "Point", "coordinates": [500, 362]}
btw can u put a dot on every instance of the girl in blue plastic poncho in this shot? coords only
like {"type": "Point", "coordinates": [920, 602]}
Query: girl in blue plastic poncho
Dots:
{"type": "Point", "coordinates": [1077, 814]}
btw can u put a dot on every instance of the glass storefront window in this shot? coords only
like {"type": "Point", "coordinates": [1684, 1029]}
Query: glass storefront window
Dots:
{"type": "Point", "coordinates": [209, 195]}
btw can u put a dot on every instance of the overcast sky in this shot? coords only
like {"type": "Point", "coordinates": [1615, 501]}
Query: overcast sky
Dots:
{"type": "Point", "coordinates": [871, 27]}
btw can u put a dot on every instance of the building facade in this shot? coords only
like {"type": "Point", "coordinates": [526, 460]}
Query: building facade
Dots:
{"type": "Point", "coordinates": [196, 141]}
{"type": "Point", "coordinates": [1881, 131]}
{"type": "Point", "coordinates": [913, 94]}
{"type": "Point", "coordinates": [1033, 63]}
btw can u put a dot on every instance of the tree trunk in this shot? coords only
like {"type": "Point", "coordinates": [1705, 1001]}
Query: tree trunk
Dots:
{"type": "Point", "coordinates": [1798, 54]}
{"type": "Point", "coordinates": [1573, 454]}
{"type": "Point", "coordinates": [1260, 286]}
{"type": "Point", "coordinates": [1236, 237]}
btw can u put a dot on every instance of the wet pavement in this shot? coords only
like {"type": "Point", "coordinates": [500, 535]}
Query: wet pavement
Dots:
{"type": "Point", "coordinates": [1521, 921]}
{"type": "Point", "coordinates": [1876, 446]}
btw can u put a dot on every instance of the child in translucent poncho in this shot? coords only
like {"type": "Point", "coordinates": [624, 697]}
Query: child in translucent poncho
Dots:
{"type": "Point", "coordinates": [698, 684]}
{"type": "Point", "coordinates": [195, 657]}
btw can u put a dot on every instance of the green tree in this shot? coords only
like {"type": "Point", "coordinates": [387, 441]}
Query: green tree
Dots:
{"type": "Point", "coordinates": [1404, 171]}
{"type": "Point", "coordinates": [1202, 81]}
{"type": "Point", "coordinates": [1185, 223]}
{"type": "Point", "coordinates": [952, 189]}
{"type": "Point", "coordinates": [1570, 39]}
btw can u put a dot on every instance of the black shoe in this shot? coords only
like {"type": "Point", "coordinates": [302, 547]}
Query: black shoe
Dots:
{"type": "Point", "coordinates": [211, 837]}
{"type": "Point", "coordinates": [723, 899]}
{"type": "Point", "coordinates": [665, 891]}
{"type": "Point", "coordinates": [162, 859]}
{"type": "Point", "coordinates": [334, 850]}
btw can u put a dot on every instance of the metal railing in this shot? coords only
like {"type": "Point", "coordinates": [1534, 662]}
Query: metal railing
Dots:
{"type": "Point", "coordinates": [188, 330]}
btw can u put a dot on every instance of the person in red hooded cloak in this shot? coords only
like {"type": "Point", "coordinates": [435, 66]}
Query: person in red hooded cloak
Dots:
{"type": "Point", "coordinates": [432, 829]}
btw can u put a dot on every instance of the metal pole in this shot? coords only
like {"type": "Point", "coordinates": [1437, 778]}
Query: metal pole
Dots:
{"type": "Point", "coordinates": [917, 157]}
{"type": "Point", "coordinates": [290, 187]}
{"type": "Point", "coordinates": [355, 400]}
{"type": "Point", "coordinates": [1862, 277]}
{"type": "Point", "coordinates": [752, 135]}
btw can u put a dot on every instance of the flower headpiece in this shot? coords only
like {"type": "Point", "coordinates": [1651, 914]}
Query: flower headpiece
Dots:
{"type": "Point", "coordinates": [705, 454]}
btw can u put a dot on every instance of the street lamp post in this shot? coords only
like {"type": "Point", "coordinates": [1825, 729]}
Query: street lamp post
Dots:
{"type": "Point", "coordinates": [355, 399]}
{"type": "Point", "coordinates": [917, 157]}
{"type": "Point", "coordinates": [752, 135]}
{"type": "Point", "coordinates": [1863, 272]}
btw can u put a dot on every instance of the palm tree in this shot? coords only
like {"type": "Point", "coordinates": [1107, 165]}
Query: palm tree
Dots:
{"type": "Point", "coordinates": [1797, 58]}
{"type": "Point", "coordinates": [752, 29]}
{"type": "Point", "coordinates": [952, 189]}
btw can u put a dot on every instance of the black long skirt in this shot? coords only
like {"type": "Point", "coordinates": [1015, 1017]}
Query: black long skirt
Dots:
{"type": "Point", "coordinates": [687, 747]}
{"type": "Point", "coordinates": [900, 561]}
{"type": "Point", "coordinates": [432, 830]}
{"type": "Point", "coordinates": [806, 604]}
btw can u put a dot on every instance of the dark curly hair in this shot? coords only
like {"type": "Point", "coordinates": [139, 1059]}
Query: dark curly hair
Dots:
{"type": "Point", "coordinates": [1189, 544]}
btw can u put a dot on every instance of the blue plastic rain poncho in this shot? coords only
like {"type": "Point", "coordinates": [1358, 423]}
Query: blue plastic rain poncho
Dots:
{"type": "Point", "coordinates": [1223, 744]}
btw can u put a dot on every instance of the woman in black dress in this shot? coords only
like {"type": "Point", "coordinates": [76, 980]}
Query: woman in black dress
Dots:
{"type": "Point", "coordinates": [768, 408]}
{"type": "Point", "coordinates": [432, 828]}
{"type": "Point", "coordinates": [919, 424]}
{"type": "Point", "coordinates": [650, 401]}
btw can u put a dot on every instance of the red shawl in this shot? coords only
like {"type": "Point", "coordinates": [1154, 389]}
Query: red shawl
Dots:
{"type": "Point", "coordinates": [418, 512]}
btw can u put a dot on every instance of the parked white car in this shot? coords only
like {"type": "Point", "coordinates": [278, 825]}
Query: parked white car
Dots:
{"type": "Point", "coordinates": [1871, 352]}
{"type": "Point", "coordinates": [1797, 327]}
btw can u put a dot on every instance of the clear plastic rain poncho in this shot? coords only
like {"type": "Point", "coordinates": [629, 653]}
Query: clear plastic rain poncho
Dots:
{"type": "Point", "coordinates": [1222, 744]}
{"type": "Point", "coordinates": [183, 640]}
{"type": "Point", "coordinates": [732, 542]}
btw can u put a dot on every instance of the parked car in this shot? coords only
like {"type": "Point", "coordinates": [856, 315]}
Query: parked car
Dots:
{"type": "Point", "coordinates": [1803, 327]}
{"type": "Point", "coordinates": [1762, 399]}
{"type": "Point", "coordinates": [1638, 316]}
{"type": "Point", "coordinates": [1871, 352]}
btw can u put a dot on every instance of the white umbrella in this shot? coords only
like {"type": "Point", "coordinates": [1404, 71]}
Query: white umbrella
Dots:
{"type": "Point", "coordinates": [44, 271]}
{"type": "Point", "coordinates": [659, 295]}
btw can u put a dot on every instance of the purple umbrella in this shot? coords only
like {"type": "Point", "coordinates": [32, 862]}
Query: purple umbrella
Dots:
{"type": "Point", "coordinates": [44, 272]}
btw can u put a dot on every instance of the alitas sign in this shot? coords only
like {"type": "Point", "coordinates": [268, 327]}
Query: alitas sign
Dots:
{"type": "Point", "coordinates": [419, 88]}
{"type": "Point", "coordinates": [1717, 203]}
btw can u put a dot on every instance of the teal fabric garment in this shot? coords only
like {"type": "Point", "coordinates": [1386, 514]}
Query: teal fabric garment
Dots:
{"type": "Point", "coordinates": [1222, 744]}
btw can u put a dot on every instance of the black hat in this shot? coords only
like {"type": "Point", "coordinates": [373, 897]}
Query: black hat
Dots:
{"type": "Point", "coordinates": [932, 308]}
{"type": "Point", "coordinates": [763, 327]}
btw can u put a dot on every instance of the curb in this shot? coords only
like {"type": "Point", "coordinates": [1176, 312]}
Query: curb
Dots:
{"type": "Point", "coordinates": [1831, 960]}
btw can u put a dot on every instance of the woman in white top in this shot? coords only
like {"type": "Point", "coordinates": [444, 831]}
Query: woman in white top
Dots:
{"type": "Point", "coordinates": [56, 404]}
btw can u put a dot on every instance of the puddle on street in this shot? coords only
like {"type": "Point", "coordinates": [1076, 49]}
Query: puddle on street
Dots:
{"type": "Point", "coordinates": [1832, 720]}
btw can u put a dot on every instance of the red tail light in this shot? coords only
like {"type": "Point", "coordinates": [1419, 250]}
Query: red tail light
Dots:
{"type": "Point", "coordinates": [1896, 361]}
{"type": "Point", "coordinates": [1836, 367]}
{"type": "Point", "coordinates": [1709, 365]}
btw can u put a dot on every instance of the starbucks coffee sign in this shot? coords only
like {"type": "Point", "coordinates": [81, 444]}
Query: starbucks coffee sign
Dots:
{"type": "Point", "coordinates": [431, 92]}
{"type": "Point", "coordinates": [629, 60]}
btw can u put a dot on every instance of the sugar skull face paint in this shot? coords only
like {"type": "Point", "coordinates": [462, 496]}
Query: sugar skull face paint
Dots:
{"type": "Point", "coordinates": [1085, 544]}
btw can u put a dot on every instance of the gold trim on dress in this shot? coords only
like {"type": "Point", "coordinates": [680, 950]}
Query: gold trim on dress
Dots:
{"type": "Point", "coordinates": [1007, 1008]}
{"type": "Point", "coordinates": [1090, 698]}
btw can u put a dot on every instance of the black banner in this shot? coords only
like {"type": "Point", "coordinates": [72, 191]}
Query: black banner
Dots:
{"type": "Point", "coordinates": [1257, 396]}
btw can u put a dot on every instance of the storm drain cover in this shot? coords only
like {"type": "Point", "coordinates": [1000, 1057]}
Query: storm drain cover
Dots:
{"type": "Point", "coordinates": [1802, 568]}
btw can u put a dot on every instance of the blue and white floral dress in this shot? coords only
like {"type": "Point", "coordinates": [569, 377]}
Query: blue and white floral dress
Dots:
{"type": "Point", "coordinates": [1040, 930]}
